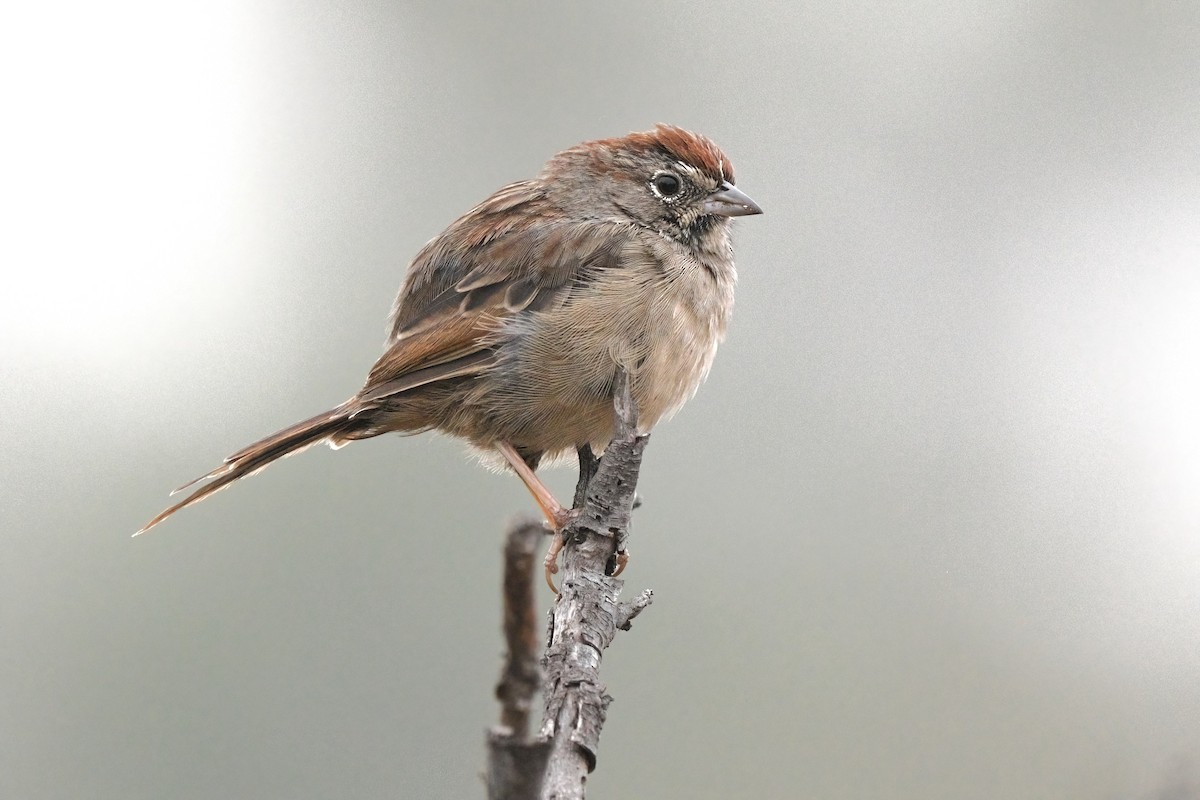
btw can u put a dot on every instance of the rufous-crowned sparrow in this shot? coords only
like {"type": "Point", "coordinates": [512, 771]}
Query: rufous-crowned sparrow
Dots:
{"type": "Point", "coordinates": [512, 323]}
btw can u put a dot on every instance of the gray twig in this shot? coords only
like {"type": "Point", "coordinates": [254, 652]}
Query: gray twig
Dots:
{"type": "Point", "coordinates": [587, 614]}
{"type": "Point", "coordinates": [583, 622]}
{"type": "Point", "coordinates": [516, 764]}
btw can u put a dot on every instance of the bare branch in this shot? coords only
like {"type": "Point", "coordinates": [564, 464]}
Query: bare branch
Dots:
{"type": "Point", "coordinates": [587, 614]}
{"type": "Point", "coordinates": [515, 764]}
{"type": "Point", "coordinates": [520, 678]}
{"type": "Point", "coordinates": [585, 619]}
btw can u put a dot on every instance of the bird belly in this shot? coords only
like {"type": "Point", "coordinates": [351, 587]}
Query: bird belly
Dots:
{"type": "Point", "coordinates": [553, 384]}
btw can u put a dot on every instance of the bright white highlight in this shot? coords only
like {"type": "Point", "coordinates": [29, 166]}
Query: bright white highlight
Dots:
{"type": "Point", "coordinates": [119, 150]}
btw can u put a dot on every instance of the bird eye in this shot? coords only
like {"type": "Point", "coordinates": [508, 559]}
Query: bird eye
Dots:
{"type": "Point", "coordinates": [666, 184]}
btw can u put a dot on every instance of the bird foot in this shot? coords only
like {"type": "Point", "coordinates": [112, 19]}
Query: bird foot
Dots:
{"type": "Point", "coordinates": [620, 559]}
{"type": "Point", "coordinates": [562, 518]}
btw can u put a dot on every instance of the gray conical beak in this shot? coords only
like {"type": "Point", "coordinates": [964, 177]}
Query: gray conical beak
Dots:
{"type": "Point", "coordinates": [730, 201]}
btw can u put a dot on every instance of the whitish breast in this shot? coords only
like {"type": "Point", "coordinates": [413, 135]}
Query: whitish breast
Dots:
{"type": "Point", "coordinates": [659, 317]}
{"type": "Point", "coordinates": [689, 315]}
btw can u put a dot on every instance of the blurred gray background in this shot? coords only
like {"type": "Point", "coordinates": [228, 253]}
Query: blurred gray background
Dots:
{"type": "Point", "coordinates": [930, 530]}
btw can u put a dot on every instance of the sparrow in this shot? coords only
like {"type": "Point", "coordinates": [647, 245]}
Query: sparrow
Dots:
{"type": "Point", "coordinates": [512, 324]}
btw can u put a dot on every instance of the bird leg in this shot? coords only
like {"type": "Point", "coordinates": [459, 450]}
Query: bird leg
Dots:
{"type": "Point", "coordinates": [557, 517]}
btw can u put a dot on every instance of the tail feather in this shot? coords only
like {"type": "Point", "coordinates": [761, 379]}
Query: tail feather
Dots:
{"type": "Point", "coordinates": [262, 453]}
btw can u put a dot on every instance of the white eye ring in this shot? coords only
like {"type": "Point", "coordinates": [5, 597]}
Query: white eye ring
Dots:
{"type": "Point", "coordinates": [666, 185]}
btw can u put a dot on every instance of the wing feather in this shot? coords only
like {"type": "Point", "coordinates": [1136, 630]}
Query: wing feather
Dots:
{"type": "Point", "coordinates": [513, 253]}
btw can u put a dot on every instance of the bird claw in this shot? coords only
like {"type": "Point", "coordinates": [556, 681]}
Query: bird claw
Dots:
{"type": "Point", "coordinates": [551, 560]}
{"type": "Point", "coordinates": [562, 518]}
{"type": "Point", "coordinates": [620, 560]}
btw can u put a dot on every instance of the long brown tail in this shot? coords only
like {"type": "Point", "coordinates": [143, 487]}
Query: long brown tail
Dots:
{"type": "Point", "coordinates": [344, 419]}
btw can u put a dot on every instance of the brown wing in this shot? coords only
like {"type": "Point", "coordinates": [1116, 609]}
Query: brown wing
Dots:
{"type": "Point", "coordinates": [511, 253]}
